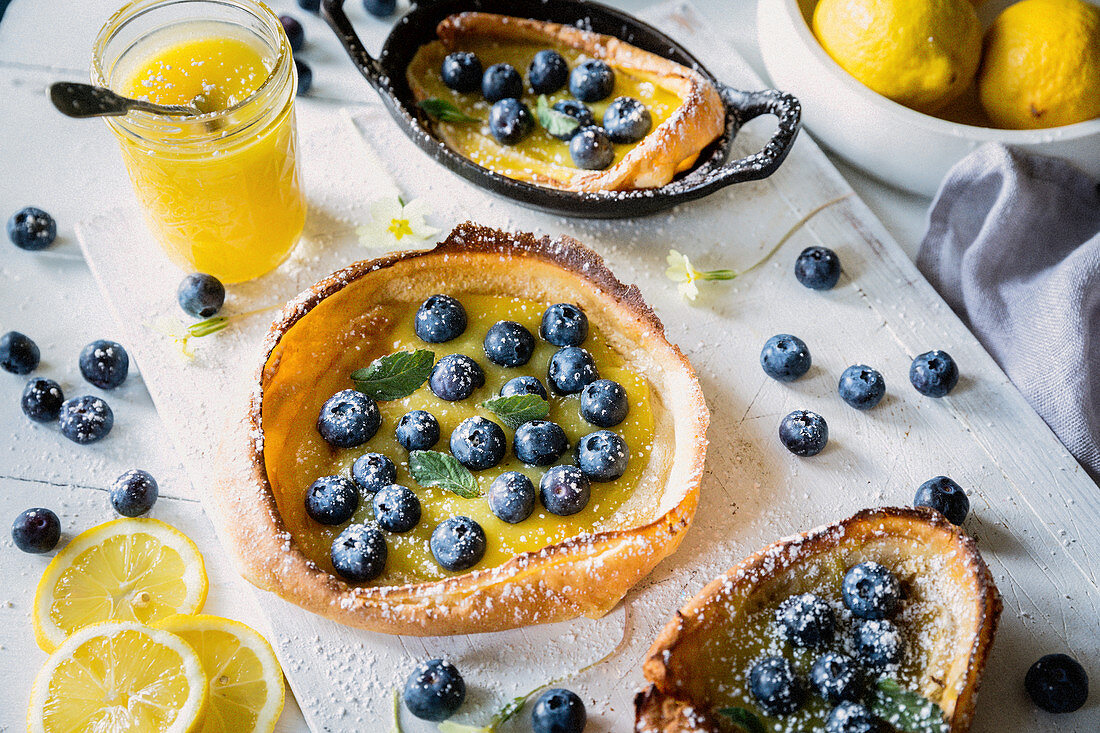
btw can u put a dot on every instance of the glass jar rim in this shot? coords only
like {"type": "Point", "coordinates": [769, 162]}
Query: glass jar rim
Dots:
{"type": "Point", "coordinates": [140, 121]}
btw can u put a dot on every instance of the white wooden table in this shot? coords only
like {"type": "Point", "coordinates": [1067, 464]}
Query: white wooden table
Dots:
{"type": "Point", "coordinates": [71, 169]}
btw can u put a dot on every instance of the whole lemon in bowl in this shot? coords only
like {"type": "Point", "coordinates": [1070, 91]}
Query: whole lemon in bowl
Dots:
{"type": "Point", "coordinates": [920, 53]}
{"type": "Point", "coordinates": [1041, 66]}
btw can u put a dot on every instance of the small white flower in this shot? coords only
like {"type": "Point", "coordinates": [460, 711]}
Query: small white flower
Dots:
{"type": "Point", "coordinates": [681, 271]}
{"type": "Point", "coordinates": [394, 223]}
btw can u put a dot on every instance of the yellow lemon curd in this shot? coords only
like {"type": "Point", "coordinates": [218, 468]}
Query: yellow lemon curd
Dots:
{"type": "Point", "coordinates": [539, 154]}
{"type": "Point", "coordinates": [222, 194]}
{"type": "Point", "coordinates": [296, 455]}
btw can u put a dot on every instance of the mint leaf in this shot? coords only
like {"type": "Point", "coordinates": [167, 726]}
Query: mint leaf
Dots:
{"type": "Point", "coordinates": [445, 111]}
{"type": "Point", "coordinates": [556, 123]}
{"type": "Point", "coordinates": [394, 376]}
{"type": "Point", "coordinates": [906, 711]}
{"type": "Point", "coordinates": [517, 409]}
{"type": "Point", "coordinates": [744, 718]}
{"type": "Point", "coordinates": [432, 468]}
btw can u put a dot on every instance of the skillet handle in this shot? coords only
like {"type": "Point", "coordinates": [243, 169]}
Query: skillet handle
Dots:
{"type": "Point", "coordinates": [749, 105]}
{"type": "Point", "coordinates": [334, 15]}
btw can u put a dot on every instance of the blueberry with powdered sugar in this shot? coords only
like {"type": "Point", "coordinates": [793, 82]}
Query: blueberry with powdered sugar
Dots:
{"type": "Point", "coordinates": [871, 591]}
{"type": "Point", "coordinates": [373, 471]}
{"type": "Point", "coordinates": [539, 442]}
{"type": "Point", "coordinates": [775, 686]}
{"type": "Point", "coordinates": [852, 717]}
{"type": "Point", "coordinates": [509, 344]}
{"type": "Point", "coordinates": [805, 620]}
{"type": "Point", "coordinates": [42, 400]}
{"type": "Point", "coordinates": [104, 363]}
{"type": "Point", "coordinates": [879, 643]}
{"type": "Point", "coordinates": [332, 500]}
{"type": "Point", "coordinates": [417, 430]}
{"type": "Point", "coordinates": [348, 419]}
{"type": "Point", "coordinates": [836, 677]}
{"type": "Point", "coordinates": [478, 443]}
{"type": "Point", "coordinates": [627, 120]}
{"type": "Point", "coordinates": [603, 456]}
{"type": "Point", "coordinates": [440, 318]}
{"type": "Point", "coordinates": [512, 497]}
{"type": "Point", "coordinates": [564, 324]}
{"type": "Point", "coordinates": [455, 377]}
{"type": "Point", "coordinates": [359, 553]}
{"type": "Point", "coordinates": [85, 419]}
{"type": "Point", "coordinates": [604, 403]}
{"type": "Point", "coordinates": [571, 369]}
{"type": "Point", "coordinates": [564, 490]}
{"type": "Point", "coordinates": [458, 543]}
{"type": "Point", "coordinates": [523, 385]}
{"type": "Point", "coordinates": [435, 690]}
{"type": "Point", "coordinates": [396, 508]}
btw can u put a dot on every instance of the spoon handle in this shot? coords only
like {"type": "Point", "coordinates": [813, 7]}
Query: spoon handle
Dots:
{"type": "Point", "coordinates": [85, 100]}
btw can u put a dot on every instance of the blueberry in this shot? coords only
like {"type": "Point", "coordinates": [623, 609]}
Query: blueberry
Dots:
{"type": "Point", "coordinates": [312, 6]}
{"type": "Point", "coordinates": [879, 643]}
{"type": "Point", "coordinates": [201, 295]}
{"type": "Point", "coordinates": [134, 493]}
{"type": "Point", "coordinates": [373, 471]}
{"type": "Point", "coordinates": [512, 497]}
{"type": "Point", "coordinates": [785, 357]}
{"type": "Point", "coordinates": [32, 229]}
{"type": "Point", "coordinates": [548, 72]}
{"type": "Point", "coordinates": [510, 121]}
{"type": "Point", "coordinates": [539, 442]}
{"type": "Point", "coordinates": [602, 456]}
{"type": "Point", "coordinates": [604, 403]}
{"type": "Point", "coordinates": [461, 71]}
{"type": "Point", "coordinates": [804, 433]}
{"type": "Point", "coordinates": [501, 81]}
{"type": "Point", "coordinates": [435, 690]}
{"type": "Point", "coordinates": [836, 677]}
{"type": "Point", "coordinates": [564, 490]}
{"type": "Point", "coordinates": [564, 324]}
{"type": "Point", "coordinates": [591, 149]}
{"type": "Point", "coordinates": [805, 620]}
{"type": "Point", "coordinates": [1056, 683]}
{"type": "Point", "coordinates": [571, 369]}
{"type": "Point", "coordinates": [417, 430]}
{"type": "Point", "coordinates": [509, 344]}
{"type": "Point", "coordinates": [295, 33]}
{"type": "Point", "coordinates": [578, 111]}
{"type": "Point", "coordinates": [775, 686]}
{"type": "Point", "coordinates": [852, 717]}
{"type": "Point", "coordinates": [818, 268]}
{"type": "Point", "coordinates": [523, 385]}
{"type": "Point", "coordinates": [627, 120]}
{"type": "Point", "coordinates": [18, 354]}
{"type": "Point", "coordinates": [85, 419]}
{"type": "Point", "coordinates": [861, 386]}
{"type": "Point", "coordinates": [104, 364]}
{"type": "Point", "coordinates": [332, 500]}
{"type": "Point", "coordinates": [870, 590]}
{"type": "Point", "coordinates": [359, 552]}
{"type": "Point", "coordinates": [934, 373]}
{"type": "Point", "coordinates": [455, 377]}
{"type": "Point", "coordinates": [305, 77]}
{"type": "Point", "coordinates": [348, 419]}
{"type": "Point", "coordinates": [380, 8]}
{"type": "Point", "coordinates": [946, 497]}
{"type": "Point", "coordinates": [36, 530]}
{"type": "Point", "coordinates": [558, 711]}
{"type": "Point", "coordinates": [42, 400]}
{"type": "Point", "coordinates": [396, 508]}
{"type": "Point", "coordinates": [458, 543]}
{"type": "Point", "coordinates": [440, 318]}
{"type": "Point", "coordinates": [591, 81]}
{"type": "Point", "coordinates": [478, 443]}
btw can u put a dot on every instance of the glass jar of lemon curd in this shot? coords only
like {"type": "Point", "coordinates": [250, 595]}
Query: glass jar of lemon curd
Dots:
{"type": "Point", "coordinates": [220, 191]}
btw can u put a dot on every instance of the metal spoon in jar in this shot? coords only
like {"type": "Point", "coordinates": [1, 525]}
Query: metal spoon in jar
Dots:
{"type": "Point", "coordinates": [85, 100]}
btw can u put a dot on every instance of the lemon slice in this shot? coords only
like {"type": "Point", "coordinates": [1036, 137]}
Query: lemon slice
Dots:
{"type": "Point", "coordinates": [126, 570]}
{"type": "Point", "coordinates": [245, 682]}
{"type": "Point", "coordinates": [121, 677]}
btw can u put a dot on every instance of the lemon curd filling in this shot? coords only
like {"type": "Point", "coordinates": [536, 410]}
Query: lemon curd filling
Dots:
{"type": "Point", "coordinates": [296, 455]}
{"type": "Point", "coordinates": [539, 155]}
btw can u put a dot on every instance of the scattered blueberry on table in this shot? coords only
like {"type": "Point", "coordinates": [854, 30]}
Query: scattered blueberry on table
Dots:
{"type": "Point", "coordinates": [817, 268]}
{"type": "Point", "coordinates": [85, 419]}
{"type": "Point", "coordinates": [396, 508]}
{"type": "Point", "coordinates": [934, 373]}
{"type": "Point", "coordinates": [32, 229]}
{"type": "Point", "coordinates": [348, 419]}
{"type": "Point", "coordinates": [332, 500]}
{"type": "Point", "coordinates": [458, 543]}
{"type": "Point", "coordinates": [134, 493]}
{"type": "Point", "coordinates": [359, 553]}
{"type": "Point", "coordinates": [1057, 683]}
{"type": "Point", "coordinates": [36, 530]}
{"type": "Point", "coordinates": [380, 8]}
{"type": "Point", "coordinates": [775, 686]}
{"type": "Point", "coordinates": [42, 400]}
{"type": "Point", "coordinates": [104, 364]}
{"type": "Point", "coordinates": [312, 6]}
{"type": "Point", "coordinates": [785, 358]}
{"type": "Point", "coordinates": [558, 711]}
{"type": "Point", "coordinates": [461, 71]}
{"type": "Point", "coordinates": [548, 72]}
{"type": "Point", "coordinates": [18, 353]}
{"type": "Point", "coordinates": [435, 690]}
{"type": "Point", "coordinates": [946, 497]}
{"type": "Point", "coordinates": [804, 433]}
{"type": "Point", "coordinates": [295, 33]}
{"type": "Point", "coordinates": [861, 386]}
{"type": "Point", "coordinates": [564, 490]}
{"type": "Point", "coordinates": [305, 77]}
{"type": "Point", "coordinates": [512, 497]}
{"type": "Point", "coordinates": [201, 295]}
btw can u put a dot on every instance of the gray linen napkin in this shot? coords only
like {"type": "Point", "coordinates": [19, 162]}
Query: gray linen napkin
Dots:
{"type": "Point", "coordinates": [1013, 245]}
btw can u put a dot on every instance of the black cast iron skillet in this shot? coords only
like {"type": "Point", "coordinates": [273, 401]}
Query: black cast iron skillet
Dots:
{"type": "Point", "coordinates": [711, 172]}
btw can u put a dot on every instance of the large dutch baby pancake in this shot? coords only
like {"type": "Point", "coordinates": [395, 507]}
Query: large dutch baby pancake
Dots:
{"type": "Point", "coordinates": [425, 511]}
{"type": "Point", "coordinates": [880, 622]}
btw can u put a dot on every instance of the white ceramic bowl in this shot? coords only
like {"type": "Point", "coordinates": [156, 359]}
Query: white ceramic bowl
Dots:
{"type": "Point", "coordinates": [898, 145]}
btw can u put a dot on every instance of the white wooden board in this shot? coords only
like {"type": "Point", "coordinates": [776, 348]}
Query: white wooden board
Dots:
{"type": "Point", "coordinates": [881, 313]}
